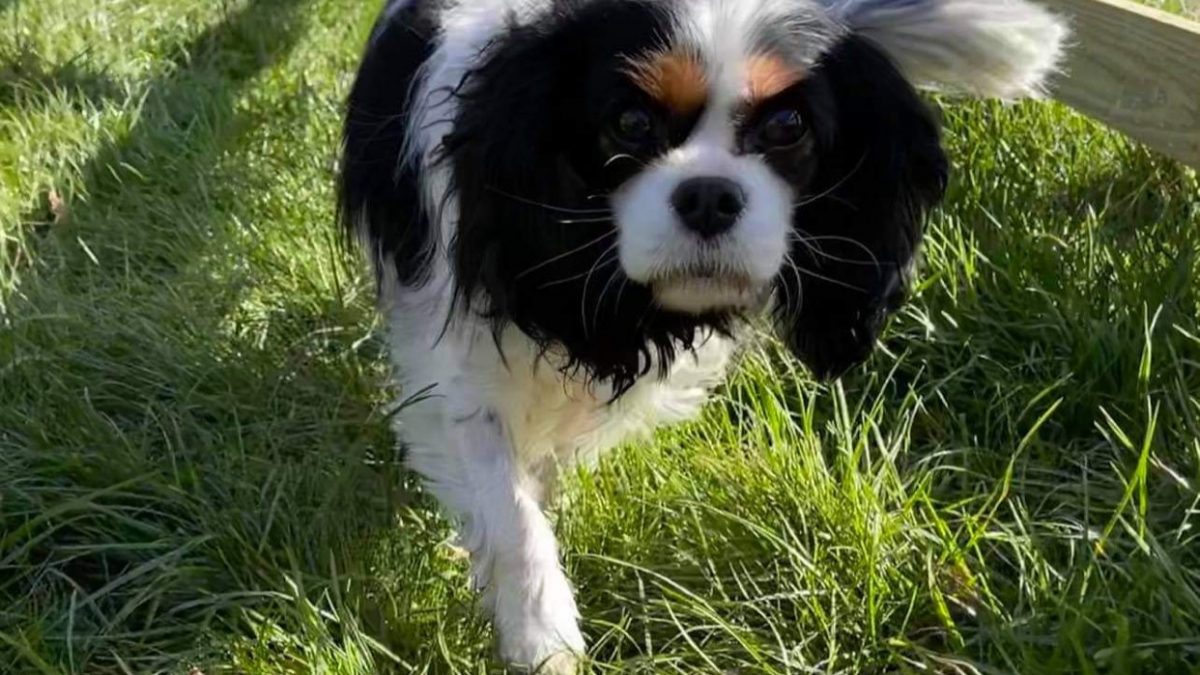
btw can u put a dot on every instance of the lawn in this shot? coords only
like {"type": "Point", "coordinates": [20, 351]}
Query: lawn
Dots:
{"type": "Point", "coordinates": [1189, 8]}
{"type": "Point", "coordinates": [197, 470]}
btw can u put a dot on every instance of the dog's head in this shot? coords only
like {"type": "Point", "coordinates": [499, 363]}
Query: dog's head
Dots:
{"type": "Point", "coordinates": [629, 173]}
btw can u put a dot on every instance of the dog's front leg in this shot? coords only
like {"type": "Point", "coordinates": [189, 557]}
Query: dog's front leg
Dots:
{"type": "Point", "coordinates": [514, 555]}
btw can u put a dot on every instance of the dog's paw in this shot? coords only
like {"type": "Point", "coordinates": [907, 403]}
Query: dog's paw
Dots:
{"type": "Point", "coordinates": [561, 663]}
{"type": "Point", "coordinates": [547, 653]}
{"type": "Point", "coordinates": [548, 644]}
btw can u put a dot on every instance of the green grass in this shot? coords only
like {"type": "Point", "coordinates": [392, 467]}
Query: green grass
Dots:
{"type": "Point", "coordinates": [196, 467]}
{"type": "Point", "coordinates": [1188, 8]}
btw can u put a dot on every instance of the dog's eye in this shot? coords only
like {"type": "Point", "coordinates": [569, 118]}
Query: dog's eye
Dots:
{"type": "Point", "coordinates": [634, 126]}
{"type": "Point", "coordinates": [781, 129]}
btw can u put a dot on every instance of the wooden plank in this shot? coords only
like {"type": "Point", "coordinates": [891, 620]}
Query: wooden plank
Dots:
{"type": "Point", "coordinates": [1136, 69]}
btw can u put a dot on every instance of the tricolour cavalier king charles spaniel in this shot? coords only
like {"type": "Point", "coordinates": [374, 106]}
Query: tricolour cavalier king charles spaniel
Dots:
{"type": "Point", "coordinates": [574, 207]}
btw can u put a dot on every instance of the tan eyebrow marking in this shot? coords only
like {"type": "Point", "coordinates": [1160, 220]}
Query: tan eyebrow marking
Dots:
{"type": "Point", "coordinates": [768, 75]}
{"type": "Point", "coordinates": [674, 78]}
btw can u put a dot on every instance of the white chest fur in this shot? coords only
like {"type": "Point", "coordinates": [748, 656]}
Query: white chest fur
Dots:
{"type": "Point", "coordinates": [550, 419]}
{"type": "Point", "coordinates": [494, 425]}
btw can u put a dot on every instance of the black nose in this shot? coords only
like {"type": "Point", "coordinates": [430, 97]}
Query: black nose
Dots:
{"type": "Point", "coordinates": [709, 205]}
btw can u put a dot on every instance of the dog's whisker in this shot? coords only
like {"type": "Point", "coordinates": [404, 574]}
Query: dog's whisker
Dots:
{"type": "Point", "coordinates": [560, 256]}
{"type": "Point", "coordinates": [577, 277]}
{"type": "Point", "coordinates": [804, 270]}
{"type": "Point", "coordinates": [621, 289]}
{"type": "Point", "coordinates": [788, 302]}
{"type": "Point", "coordinates": [587, 280]}
{"type": "Point", "coordinates": [782, 289]}
{"type": "Point", "coordinates": [808, 242]}
{"type": "Point", "coordinates": [805, 201]}
{"type": "Point", "coordinates": [600, 300]}
{"type": "Point", "coordinates": [544, 205]}
{"type": "Point", "coordinates": [576, 221]}
{"type": "Point", "coordinates": [809, 199]}
{"type": "Point", "coordinates": [799, 301]}
{"type": "Point", "coordinates": [813, 248]}
{"type": "Point", "coordinates": [807, 238]}
{"type": "Point", "coordinates": [620, 156]}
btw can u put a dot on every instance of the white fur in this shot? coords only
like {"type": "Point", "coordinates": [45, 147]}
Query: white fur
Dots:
{"type": "Point", "coordinates": [494, 433]}
{"type": "Point", "coordinates": [1004, 48]}
{"type": "Point", "coordinates": [655, 246]}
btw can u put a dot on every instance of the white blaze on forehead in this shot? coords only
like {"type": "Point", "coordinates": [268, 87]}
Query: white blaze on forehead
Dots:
{"type": "Point", "coordinates": [722, 32]}
{"type": "Point", "coordinates": [741, 41]}
{"type": "Point", "coordinates": [727, 32]}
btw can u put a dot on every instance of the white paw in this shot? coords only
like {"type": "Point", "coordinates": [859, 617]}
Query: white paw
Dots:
{"type": "Point", "coordinates": [540, 631]}
{"type": "Point", "coordinates": [562, 663]}
{"type": "Point", "coordinates": [559, 663]}
{"type": "Point", "coordinates": [537, 648]}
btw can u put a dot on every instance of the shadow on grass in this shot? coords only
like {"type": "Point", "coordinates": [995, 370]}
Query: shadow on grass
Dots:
{"type": "Point", "coordinates": [24, 76]}
{"type": "Point", "coordinates": [163, 468]}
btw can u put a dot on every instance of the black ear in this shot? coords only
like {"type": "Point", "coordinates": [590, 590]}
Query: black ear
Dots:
{"type": "Point", "coordinates": [503, 158]}
{"type": "Point", "coordinates": [880, 169]}
{"type": "Point", "coordinates": [531, 248]}
{"type": "Point", "coordinates": [523, 149]}
{"type": "Point", "coordinates": [378, 191]}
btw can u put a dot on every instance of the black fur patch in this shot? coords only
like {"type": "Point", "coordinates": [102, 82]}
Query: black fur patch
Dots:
{"type": "Point", "coordinates": [880, 168]}
{"type": "Point", "coordinates": [536, 244]}
{"type": "Point", "coordinates": [376, 190]}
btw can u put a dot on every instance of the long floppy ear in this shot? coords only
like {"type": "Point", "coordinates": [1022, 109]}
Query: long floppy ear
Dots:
{"type": "Point", "coordinates": [880, 169]}
{"type": "Point", "coordinates": [523, 131]}
{"type": "Point", "coordinates": [1003, 48]}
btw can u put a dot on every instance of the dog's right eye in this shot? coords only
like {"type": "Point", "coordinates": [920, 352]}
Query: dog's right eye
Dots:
{"type": "Point", "coordinates": [634, 126]}
{"type": "Point", "coordinates": [781, 129]}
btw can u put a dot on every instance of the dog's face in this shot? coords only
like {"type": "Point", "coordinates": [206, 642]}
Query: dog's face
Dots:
{"type": "Point", "coordinates": [716, 163]}
{"type": "Point", "coordinates": [629, 173]}
{"type": "Point", "coordinates": [797, 174]}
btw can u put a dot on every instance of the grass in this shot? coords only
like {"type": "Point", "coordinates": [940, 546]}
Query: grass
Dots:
{"type": "Point", "coordinates": [1188, 8]}
{"type": "Point", "coordinates": [196, 467]}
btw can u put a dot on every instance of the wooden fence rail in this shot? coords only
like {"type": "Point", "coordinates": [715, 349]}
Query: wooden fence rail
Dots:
{"type": "Point", "coordinates": [1136, 69]}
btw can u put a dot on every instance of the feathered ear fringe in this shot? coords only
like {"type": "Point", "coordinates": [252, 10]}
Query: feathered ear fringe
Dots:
{"type": "Point", "coordinates": [1001, 48]}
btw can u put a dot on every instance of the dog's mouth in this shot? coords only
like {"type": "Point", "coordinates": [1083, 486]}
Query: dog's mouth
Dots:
{"type": "Point", "coordinates": [699, 290]}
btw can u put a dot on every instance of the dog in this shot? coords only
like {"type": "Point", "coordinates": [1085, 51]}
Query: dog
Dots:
{"type": "Point", "coordinates": [575, 208]}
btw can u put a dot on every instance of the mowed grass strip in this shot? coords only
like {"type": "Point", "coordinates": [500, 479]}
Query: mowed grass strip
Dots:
{"type": "Point", "coordinates": [197, 468]}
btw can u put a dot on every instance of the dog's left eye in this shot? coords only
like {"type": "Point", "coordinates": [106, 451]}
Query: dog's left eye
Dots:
{"type": "Point", "coordinates": [634, 126]}
{"type": "Point", "coordinates": [781, 129]}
